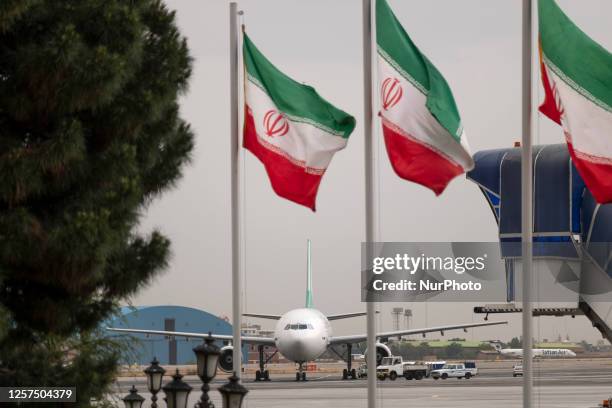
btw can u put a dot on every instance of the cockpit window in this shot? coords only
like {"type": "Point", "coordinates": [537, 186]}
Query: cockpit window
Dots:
{"type": "Point", "coordinates": [299, 326]}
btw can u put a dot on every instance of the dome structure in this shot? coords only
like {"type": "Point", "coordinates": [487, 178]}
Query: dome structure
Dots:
{"type": "Point", "coordinates": [169, 351]}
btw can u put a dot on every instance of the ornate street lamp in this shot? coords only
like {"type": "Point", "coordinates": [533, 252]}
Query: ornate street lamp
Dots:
{"type": "Point", "coordinates": [233, 393]}
{"type": "Point", "coordinates": [177, 392]}
{"type": "Point", "coordinates": [133, 399]}
{"type": "Point", "coordinates": [207, 357]}
{"type": "Point", "coordinates": [155, 374]}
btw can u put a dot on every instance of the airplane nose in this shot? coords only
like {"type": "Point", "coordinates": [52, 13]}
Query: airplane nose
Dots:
{"type": "Point", "coordinates": [298, 344]}
{"type": "Point", "coordinates": [300, 348]}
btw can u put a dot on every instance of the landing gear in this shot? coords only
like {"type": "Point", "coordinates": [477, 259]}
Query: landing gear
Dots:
{"type": "Point", "coordinates": [349, 361]}
{"type": "Point", "coordinates": [262, 374]}
{"type": "Point", "coordinates": [300, 375]}
{"type": "Point", "coordinates": [348, 372]}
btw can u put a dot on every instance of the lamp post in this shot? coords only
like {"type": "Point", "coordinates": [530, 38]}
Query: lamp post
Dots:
{"type": "Point", "coordinates": [207, 357]}
{"type": "Point", "coordinates": [233, 393]}
{"type": "Point", "coordinates": [177, 392]}
{"type": "Point", "coordinates": [155, 374]}
{"type": "Point", "coordinates": [133, 399]}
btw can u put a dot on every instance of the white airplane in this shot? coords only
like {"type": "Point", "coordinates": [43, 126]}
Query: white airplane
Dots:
{"type": "Point", "coordinates": [304, 334]}
{"type": "Point", "coordinates": [537, 353]}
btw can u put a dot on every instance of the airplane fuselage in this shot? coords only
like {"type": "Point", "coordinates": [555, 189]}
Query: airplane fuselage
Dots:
{"type": "Point", "coordinates": [302, 335]}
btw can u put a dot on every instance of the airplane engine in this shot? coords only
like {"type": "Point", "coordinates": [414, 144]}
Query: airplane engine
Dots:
{"type": "Point", "coordinates": [226, 359]}
{"type": "Point", "coordinates": [382, 350]}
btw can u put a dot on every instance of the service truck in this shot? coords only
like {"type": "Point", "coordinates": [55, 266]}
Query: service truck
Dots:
{"type": "Point", "coordinates": [415, 371]}
{"type": "Point", "coordinates": [390, 367]}
{"type": "Point", "coordinates": [393, 367]}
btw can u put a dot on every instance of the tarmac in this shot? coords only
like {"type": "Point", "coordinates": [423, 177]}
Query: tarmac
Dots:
{"type": "Point", "coordinates": [567, 383]}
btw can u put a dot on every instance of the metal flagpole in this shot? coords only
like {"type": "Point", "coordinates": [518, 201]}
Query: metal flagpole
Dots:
{"type": "Point", "coordinates": [235, 185]}
{"type": "Point", "coordinates": [370, 209]}
{"type": "Point", "coordinates": [527, 204]}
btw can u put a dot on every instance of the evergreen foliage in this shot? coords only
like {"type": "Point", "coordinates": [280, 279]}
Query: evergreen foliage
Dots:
{"type": "Point", "coordinates": [90, 133]}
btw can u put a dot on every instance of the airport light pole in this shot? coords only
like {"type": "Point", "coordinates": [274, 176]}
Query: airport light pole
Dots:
{"type": "Point", "coordinates": [408, 315]}
{"type": "Point", "coordinates": [396, 312]}
{"type": "Point", "coordinates": [527, 200]}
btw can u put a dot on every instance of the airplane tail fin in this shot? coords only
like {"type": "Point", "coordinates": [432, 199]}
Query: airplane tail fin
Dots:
{"type": "Point", "coordinates": [308, 279]}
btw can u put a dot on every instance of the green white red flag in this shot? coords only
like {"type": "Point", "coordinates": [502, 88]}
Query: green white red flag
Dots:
{"type": "Point", "coordinates": [292, 130]}
{"type": "Point", "coordinates": [577, 79]}
{"type": "Point", "coordinates": [423, 134]}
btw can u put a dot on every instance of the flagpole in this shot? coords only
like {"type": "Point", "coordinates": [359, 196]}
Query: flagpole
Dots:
{"type": "Point", "coordinates": [235, 189]}
{"type": "Point", "coordinates": [527, 203]}
{"type": "Point", "coordinates": [370, 210]}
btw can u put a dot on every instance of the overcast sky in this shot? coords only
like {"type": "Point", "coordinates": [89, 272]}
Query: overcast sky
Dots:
{"type": "Point", "coordinates": [474, 43]}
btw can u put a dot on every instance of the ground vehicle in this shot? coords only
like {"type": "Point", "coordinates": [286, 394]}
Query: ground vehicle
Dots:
{"type": "Point", "coordinates": [391, 367]}
{"type": "Point", "coordinates": [394, 366]}
{"type": "Point", "coordinates": [434, 365]}
{"type": "Point", "coordinates": [362, 371]}
{"type": "Point", "coordinates": [517, 370]}
{"type": "Point", "coordinates": [470, 368]}
{"type": "Point", "coordinates": [451, 370]}
{"type": "Point", "coordinates": [415, 371]}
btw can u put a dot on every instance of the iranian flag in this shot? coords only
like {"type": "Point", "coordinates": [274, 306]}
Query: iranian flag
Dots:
{"type": "Point", "coordinates": [292, 130]}
{"type": "Point", "coordinates": [425, 141]}
{"type": "Point", "coordinates": [577, 79]}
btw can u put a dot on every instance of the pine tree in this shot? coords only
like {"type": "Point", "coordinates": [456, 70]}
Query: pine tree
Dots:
{"type": "Point", "coordinates": [90, 134]}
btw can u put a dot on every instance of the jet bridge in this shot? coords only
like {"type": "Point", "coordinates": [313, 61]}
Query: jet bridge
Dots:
{"type": "Point", "coordinates": [572, 245]}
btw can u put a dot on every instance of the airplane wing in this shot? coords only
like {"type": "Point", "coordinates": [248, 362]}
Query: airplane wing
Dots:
{"type": "Point", "coordinates": [267, 341]}
{"type": "Point", "coordinates": [358, 338]}
{"type": "Point", "coordinates": [345, 316]}
{"type": "Point", "coordinates": [262, 316]}
{"type": "Point", "coordinates": [330, 317]}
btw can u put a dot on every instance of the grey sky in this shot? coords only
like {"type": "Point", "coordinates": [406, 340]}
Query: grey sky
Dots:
{"type": "Point", "coordinates": [474, 43]}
